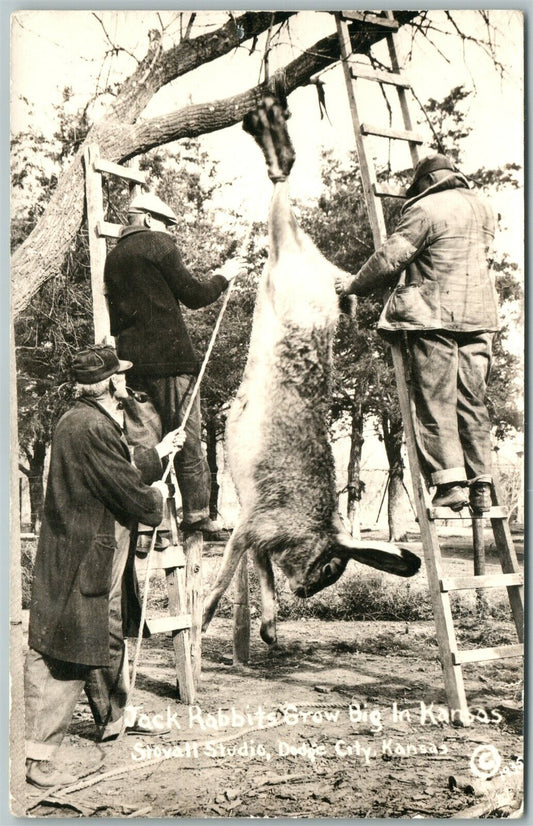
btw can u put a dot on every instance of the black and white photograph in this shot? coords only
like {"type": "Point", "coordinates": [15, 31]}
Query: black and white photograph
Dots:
{"type": "Point", "coordinates": [267, 413]}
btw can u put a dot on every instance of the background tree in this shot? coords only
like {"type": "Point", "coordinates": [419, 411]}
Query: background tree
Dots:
{"type": "Point", "coordinates": [122, 133]}
{"type": "Point", "coordinates": [58, 319]}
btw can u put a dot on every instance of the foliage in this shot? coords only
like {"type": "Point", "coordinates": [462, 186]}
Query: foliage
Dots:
{"type": "Point", "coordinates": [58, 319]}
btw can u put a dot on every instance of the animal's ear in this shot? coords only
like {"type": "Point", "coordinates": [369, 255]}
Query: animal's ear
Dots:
{"type": "Point", "coordinates": [381, 555]}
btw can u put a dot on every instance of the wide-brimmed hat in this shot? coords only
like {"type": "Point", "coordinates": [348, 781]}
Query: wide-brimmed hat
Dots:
{"type": "Point", "coordinates": [148, 202]}
{"type": "Point", "coordinates": [97, 363]}
{"type": "Point", "coordinates": [425, 167]}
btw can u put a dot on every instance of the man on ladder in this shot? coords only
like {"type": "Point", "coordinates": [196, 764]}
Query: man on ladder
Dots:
{"type": "Point", "coordinates": [446, 303]}
{"type": "Point", "coordinates": [145, 281]}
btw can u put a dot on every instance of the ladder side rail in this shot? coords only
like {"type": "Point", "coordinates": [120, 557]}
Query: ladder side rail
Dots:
{"type": "Point", "coordinates": [99, 229]}
{"type": "Point", "coordinates": [97, 244]}
{"type": "Point", "coordinates": [368, 175]}
{"type": "Point", "coordinates": [444, 626]}
{"type": "Point", "coordinates": [452, 673]}
{"type": "Point", "coordinates": [509, 561]}
{"type": "Point", "coordinates": [402, 93]}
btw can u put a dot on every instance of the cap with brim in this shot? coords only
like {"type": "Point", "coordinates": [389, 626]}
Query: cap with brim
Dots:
{"type": "Point", "coordinates": [425, 167]}
{"type": "Point", "coordinates": [148, 202]}
{"type": "Point", "coordinates": [95, 364]}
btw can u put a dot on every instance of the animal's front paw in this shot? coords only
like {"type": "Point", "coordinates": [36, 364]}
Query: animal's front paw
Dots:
{"type": "Point", "coordinates": [268, 632]}
{"type": "Point", "coordinates": [209, 612]}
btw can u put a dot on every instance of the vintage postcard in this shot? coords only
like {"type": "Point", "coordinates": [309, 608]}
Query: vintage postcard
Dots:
{"type": "Point", "coordinates": [267, 413]}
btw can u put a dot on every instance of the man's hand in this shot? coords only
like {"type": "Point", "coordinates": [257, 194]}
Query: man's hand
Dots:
{"type": "Point", "coordinates": [172, 442]}
{"type": "Point", "coordinates": [341, 283]}
{"type": "Point", "coordinates": [233, 267]}
{"type": "Point", "coordinates": [162, 488]}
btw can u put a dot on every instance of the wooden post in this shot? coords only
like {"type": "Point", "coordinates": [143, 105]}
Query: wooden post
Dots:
{"type": "Point", "coordinates": [97, 243]}
{"type": "Point", "coordinates": [181, 640]}
{"type": "Point", "coordinates": [178, 602]}
{"type": "Point", "coordinates": [478, 537]}
{"type": "Point", "coordinates": [193, 553]}
{"type": "Point", "coordinates": [241, 615]}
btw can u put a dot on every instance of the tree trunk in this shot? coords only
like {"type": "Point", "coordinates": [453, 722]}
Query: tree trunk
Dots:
{"type": "Point", "coordinates": [392, 429]}
{"type": "Point", "coordinates": [211, 430]}
{"type": "Point", "coordinates": [355, 485]}
{"type": "Point", "coordinates": [35, 474]}
{"type": "Point", "coordinates": [121, 136]}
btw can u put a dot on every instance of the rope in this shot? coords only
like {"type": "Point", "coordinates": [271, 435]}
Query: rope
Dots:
{"type": "Point", "coordinates": [201, 373]}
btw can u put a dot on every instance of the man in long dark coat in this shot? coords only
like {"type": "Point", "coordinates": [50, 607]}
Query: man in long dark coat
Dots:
{"type": "Point", "coordinates": [95, 495]}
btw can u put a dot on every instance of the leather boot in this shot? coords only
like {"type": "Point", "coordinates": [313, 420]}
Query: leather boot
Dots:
{"type": "Point", "coordinates": [44, 775]}
{"type": "Point", "coordinates": [452, 496]}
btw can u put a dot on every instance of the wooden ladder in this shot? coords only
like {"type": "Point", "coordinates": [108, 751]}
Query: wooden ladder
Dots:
{"type": "Point", "coordinates": [452, 659]}
{"type": "Point", "coordinates": [182, 564]}
{"type": "Point", "coordinates": [184, 598]}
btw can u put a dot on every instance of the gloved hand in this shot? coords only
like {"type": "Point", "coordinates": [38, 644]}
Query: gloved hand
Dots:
{"type": "Point", "coordinates": [173, 441]}
{"type": "Point", "coordinates": [162, 488]}
{"type": "Point", "coordinates": [233, 267]}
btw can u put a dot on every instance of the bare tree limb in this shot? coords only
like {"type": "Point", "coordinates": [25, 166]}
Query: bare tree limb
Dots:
{"type": "Point", "coordinates": [121, 136]}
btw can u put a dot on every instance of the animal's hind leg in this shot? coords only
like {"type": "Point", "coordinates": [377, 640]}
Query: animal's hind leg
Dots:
{"type": "Point", "coordinates": [265, 573]}
{"type": "Point", "coordinates": [233, 552]}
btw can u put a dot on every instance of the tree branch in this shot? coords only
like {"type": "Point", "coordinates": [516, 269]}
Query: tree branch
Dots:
{"type": "Point", "coordinates": [152, 74]}
{"type": "Point", "coordinates": [41, 255]}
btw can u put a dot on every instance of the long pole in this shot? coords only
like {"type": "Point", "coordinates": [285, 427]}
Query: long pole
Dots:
{"type": "Point", "coordinates": [168, 471]}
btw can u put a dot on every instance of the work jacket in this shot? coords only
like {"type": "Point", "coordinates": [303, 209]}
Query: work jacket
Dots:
{"type": "Point", "coordinates": [441, 250]}
{"type": "Point", "coordinates": [145, 281]}
{"type": "Point", "coordinates": [91, 483]}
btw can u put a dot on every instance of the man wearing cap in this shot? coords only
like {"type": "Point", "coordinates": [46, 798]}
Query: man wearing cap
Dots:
{"type": "Point", "coordinates": [146, 281]}
{"type": "Point", "coordinates": [444, 299]}
{"type": "Point", "coordinates": [95, 495]}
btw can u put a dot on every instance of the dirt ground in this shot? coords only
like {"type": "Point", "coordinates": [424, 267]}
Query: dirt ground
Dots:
{"type": "Point", "coordinates": [339, 719]}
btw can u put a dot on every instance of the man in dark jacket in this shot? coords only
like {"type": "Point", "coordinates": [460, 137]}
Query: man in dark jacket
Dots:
{"type": "Point", "coordinates": [445, 300]}
{"type": "Point", "coordinates": [95, 495]}
{"type": "Point", "coordinates": [145, 281]}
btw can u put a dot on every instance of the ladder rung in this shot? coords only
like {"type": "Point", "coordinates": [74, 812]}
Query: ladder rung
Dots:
{"type": "Point", "coordinates": [386, 191]}
{"type": "Point", "coordinates": [367, 73]}
{"type": "Point", "coordinates": [171, 557]}
{"type": "Point", "coordinates": [476, 655]}
{"type": "Point", "coordinates": [462, 583]}
{"type": "Point", "coordinates": [160, 625]}
{"type": "Point", "coordinates": [374, 19]}
{"type": "Point", "coordinates": [496, 512]}
{"type": "Point", "coordinates": [395, 134]}
{"type": "Point", "coordinates": [107, 230]}
{"type": "Point", "coordinates": [120, 171]}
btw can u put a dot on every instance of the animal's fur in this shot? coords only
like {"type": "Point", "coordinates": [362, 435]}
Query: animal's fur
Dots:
{"type": "Point", "coordinates": [277, 436]}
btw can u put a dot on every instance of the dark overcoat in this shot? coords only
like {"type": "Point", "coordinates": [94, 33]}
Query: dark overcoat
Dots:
{"type": "Point", "coordinates": [91, 483]}
{"type": "Point", "coordinates": [146, 282]}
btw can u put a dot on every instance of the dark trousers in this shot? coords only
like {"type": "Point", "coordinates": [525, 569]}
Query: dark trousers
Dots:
{"type": "Point", "coordinates": [170, 396]}
{"type": "Point", "coordinates": [449, 373]}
